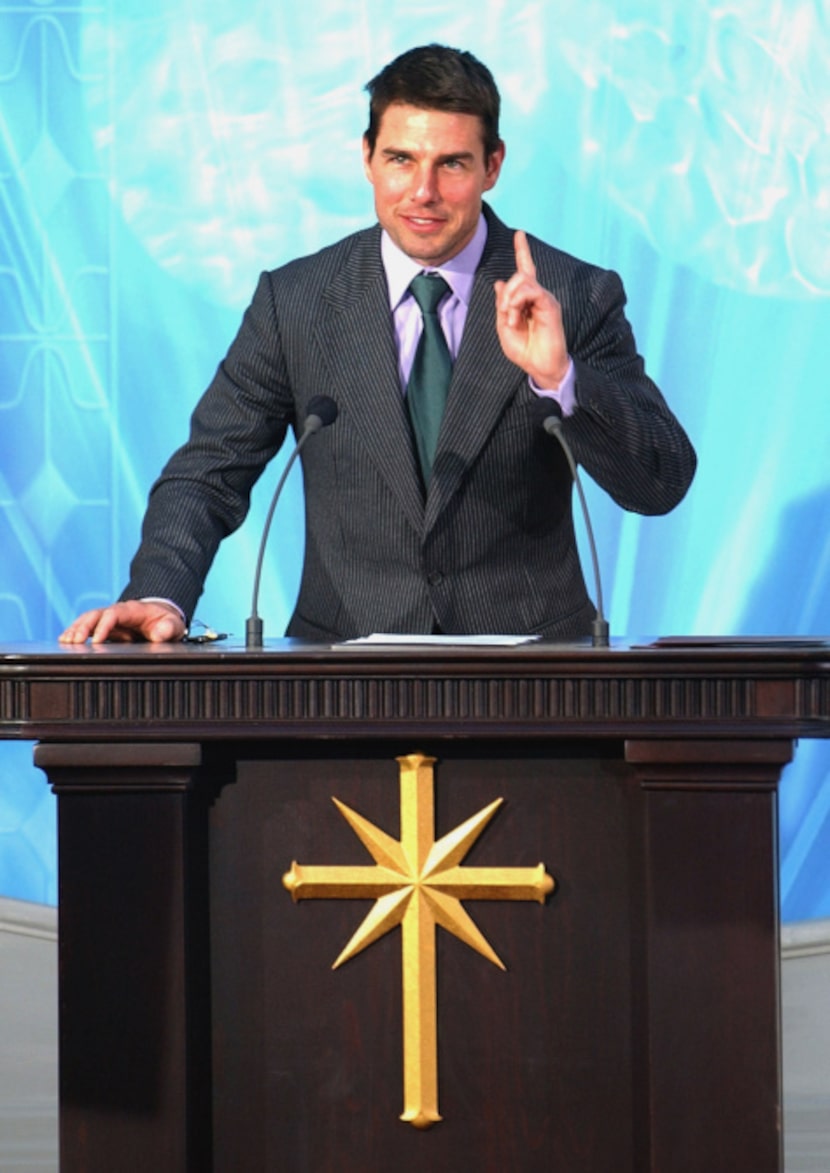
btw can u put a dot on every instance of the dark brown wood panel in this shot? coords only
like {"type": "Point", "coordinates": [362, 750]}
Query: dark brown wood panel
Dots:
{"type": "Point", "coordinates": [528, 1058]}
{"type": "Point", "coordinates": [711, 972]}
{"type": "Point", "coordinates": [135, 1086]}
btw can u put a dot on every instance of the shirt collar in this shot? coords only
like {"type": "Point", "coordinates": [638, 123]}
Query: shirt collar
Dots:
{"type": "Point", "coordinates": [459, 271]}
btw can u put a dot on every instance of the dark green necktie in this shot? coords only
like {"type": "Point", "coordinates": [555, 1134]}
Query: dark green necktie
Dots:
{"type": "Point", "coordinates": [426, 391]}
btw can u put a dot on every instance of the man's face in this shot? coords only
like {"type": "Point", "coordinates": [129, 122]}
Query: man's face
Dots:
{"type": "Point", "coordinates": [429, 173]}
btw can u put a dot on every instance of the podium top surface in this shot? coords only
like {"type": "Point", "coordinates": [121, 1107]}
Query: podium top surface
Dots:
{"type": "Point", "coordinates": [479, 647]}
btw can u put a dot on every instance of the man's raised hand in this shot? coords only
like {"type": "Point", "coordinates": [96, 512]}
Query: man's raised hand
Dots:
{"type": "Point", "coordinates": [529, 322]}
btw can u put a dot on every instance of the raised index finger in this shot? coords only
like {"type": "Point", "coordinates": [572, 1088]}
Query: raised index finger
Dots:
{"type": "Point", "coordinates": [524, 261]}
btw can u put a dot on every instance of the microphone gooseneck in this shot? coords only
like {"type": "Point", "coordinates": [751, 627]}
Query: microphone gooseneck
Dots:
{"type": "Point", "coordinates": [322, 411]}
{"type": "Point", "coordinates": [552, 423]}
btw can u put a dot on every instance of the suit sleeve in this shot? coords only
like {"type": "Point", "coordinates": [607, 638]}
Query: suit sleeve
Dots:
{"type": "Point", "coordinates": [203, 493]}
{"type": "Point", "coordinates": [622, 431]}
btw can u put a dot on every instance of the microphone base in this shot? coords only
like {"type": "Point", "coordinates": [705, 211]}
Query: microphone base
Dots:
{"type": "Point", "coordinates": [253, 632]}
{"type": "Point", "coordinates": [600, 634]}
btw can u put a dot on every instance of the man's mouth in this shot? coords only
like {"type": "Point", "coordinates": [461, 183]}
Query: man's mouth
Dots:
{"type": "Point", "coordinates": [423, 221]}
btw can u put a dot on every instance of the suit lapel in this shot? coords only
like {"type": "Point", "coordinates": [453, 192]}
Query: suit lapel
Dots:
{"type": "Point", "coordinates": [357, 332]}
{"type": "Point", "coordinates": [484, 382]}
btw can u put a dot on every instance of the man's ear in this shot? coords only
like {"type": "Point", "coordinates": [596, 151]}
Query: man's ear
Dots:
{"type": "Point", "coordinates": [367, 159]}
{"type": "Point", "coordinates": [493, 166]}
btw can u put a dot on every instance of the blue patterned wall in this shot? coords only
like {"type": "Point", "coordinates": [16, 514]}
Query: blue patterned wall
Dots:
{"type": "Point", "coordinates": [153, 158]}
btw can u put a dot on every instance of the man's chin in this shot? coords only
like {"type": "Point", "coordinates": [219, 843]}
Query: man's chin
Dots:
{"type": "Point", "coordinates": [428, 251]}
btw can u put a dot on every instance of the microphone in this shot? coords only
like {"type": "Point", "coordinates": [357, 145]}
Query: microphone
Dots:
{"type": "Point", "coordinates": [551, 414]}
{"type": "Point", "coordinates": [321, 412]}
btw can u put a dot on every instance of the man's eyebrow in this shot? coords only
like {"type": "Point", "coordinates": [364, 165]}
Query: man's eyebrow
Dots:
{"type": "Point", "coordinates": [394, 152]}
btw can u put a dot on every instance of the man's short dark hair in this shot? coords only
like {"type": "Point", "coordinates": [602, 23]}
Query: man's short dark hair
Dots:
{"type": "Point", "coordinates": [435, 77]}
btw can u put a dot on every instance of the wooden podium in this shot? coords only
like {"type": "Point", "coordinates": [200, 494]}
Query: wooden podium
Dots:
{"type": "Point", "coordinates": [202, 1027]}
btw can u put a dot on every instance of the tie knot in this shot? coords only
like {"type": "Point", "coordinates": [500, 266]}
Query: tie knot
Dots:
{"type": "Point", "coordinates": [428, 289]}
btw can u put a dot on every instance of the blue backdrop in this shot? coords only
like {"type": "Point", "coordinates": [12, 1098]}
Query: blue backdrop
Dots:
{"type": "Point", "coordinates": [154, 157]}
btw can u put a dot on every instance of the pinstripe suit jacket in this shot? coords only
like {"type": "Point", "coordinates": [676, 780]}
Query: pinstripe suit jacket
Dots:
{"type": "Point", "coordinates": [490, 547]}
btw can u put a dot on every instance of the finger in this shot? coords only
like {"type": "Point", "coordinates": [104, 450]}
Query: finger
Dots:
{"type": "Point", "coordinates": [524, 261]}
{"type": "Point", "coordinates": [517, 308]}
{"type": "Point", "coordinates": [78, 631]}
{"type": "Point", "coordinates": [107, 621]}
{"type": "Point", "coordinates": [119, 635]}
{"type": "Point", "coordinates": [513, 296]}
{"type": "Point", "coordinates": [167, 629]}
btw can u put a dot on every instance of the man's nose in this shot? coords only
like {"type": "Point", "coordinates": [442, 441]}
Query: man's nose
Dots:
{"type": "Point", "coordinates": [425, 186]}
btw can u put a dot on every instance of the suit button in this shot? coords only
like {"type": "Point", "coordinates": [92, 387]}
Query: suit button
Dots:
{"type": "Point", "coordinates": [435, 578]}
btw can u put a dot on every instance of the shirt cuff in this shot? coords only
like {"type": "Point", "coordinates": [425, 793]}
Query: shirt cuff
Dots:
{"type": "Point", "coordinates": [167, 602]}
{"type": "Point", "coordinates": [564, 394]}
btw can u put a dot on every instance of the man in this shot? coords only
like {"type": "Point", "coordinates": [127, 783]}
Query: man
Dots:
{"type": "Point", "coordinates": [472, 533]}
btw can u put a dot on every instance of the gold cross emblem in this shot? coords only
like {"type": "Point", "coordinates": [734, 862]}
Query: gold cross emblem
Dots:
{"type": "Point", "coordinates": [417, 883]}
